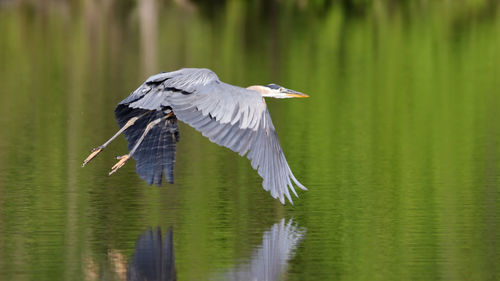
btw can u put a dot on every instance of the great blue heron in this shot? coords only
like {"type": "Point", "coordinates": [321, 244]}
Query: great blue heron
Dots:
{"type": "Point", "coordinates": [230, 116]}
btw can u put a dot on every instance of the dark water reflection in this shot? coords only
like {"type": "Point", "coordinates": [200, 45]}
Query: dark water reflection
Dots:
{"type": "Point", "coordinates": [153, 258]}
{"type": "Point", "coordinates": [398, 143]}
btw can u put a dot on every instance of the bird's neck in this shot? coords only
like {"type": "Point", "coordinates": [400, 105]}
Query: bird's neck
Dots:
{"type": "Point", "coordinates": [261, 89]}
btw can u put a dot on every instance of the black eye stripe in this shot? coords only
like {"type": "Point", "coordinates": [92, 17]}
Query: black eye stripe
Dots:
{"type": "Point", "coordinates": [274, 86]}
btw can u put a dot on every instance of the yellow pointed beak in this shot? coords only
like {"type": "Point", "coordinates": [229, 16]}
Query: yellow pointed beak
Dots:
{"type": "Point", "coordinates": [295, 94]}
{"type": "Point", "coordinates": [298, 95]}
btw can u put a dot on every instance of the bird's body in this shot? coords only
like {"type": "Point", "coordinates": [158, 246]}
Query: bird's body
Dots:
{"type": "Point", "coordinates": [231, 116]}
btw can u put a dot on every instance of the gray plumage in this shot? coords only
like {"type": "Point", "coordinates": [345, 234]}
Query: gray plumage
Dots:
{"type": "Point", "coordinates": [156, 155]}
{"type": "Point", "coordinates": [231, 116]}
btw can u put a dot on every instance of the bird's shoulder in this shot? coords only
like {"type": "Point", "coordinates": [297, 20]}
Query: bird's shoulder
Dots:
{"type": "Point", "coordinates": [194, 85]}
{"type": "Point", "coordinates": [184, 76]}
{"type": "Point", "coordinates": [200, 81]}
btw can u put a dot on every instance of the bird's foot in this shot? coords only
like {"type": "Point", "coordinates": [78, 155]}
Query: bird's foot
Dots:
{"type": "Point", "coordinates": [92, 155]}
{"type": "Point", "coordinates": [122, 160]}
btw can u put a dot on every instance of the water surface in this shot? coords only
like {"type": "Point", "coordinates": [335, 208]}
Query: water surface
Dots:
{"type": "Point", "coordinates": [398, 144]}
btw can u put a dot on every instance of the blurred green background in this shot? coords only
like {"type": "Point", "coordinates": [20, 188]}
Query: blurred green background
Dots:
{"type": "Point", "coordinates": [398, 143]}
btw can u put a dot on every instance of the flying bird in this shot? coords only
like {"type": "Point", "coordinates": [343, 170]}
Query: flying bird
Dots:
{"type": "Point", "coordinates": [230, 116]}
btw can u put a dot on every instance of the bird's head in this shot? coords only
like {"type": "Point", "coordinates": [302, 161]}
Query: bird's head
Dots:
{"type": "Point", "coordinates": [277, 91]}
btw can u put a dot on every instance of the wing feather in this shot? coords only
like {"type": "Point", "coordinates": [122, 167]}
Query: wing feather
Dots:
{"type": "Point", "coordinates": [156, 155]}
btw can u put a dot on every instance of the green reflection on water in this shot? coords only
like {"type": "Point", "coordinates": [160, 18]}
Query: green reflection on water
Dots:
{"type": "Point", "coordinates": [398, 143]}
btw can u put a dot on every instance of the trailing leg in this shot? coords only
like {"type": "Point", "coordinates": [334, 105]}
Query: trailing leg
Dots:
{"type": "Point", "coordinates": [123, 159]}
{"type": "Point", "coordinates": [98, 149]}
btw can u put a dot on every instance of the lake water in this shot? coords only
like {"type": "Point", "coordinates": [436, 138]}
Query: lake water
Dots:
{"type": "Point", "coordinates": [399, 142]}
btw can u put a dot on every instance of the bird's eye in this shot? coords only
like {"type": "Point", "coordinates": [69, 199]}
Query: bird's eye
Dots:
{"type": "Point", "coordinates": [282, 89]}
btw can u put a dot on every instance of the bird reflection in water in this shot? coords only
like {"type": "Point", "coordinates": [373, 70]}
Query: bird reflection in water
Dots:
{"type": "Point", "coordinates": [270, 260]}
{"type": "Point", "coordinates": [153, 258]}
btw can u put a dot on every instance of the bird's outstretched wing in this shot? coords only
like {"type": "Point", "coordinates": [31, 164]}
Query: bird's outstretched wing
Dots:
{"type": "Point", "coordinates": [238, 119]}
